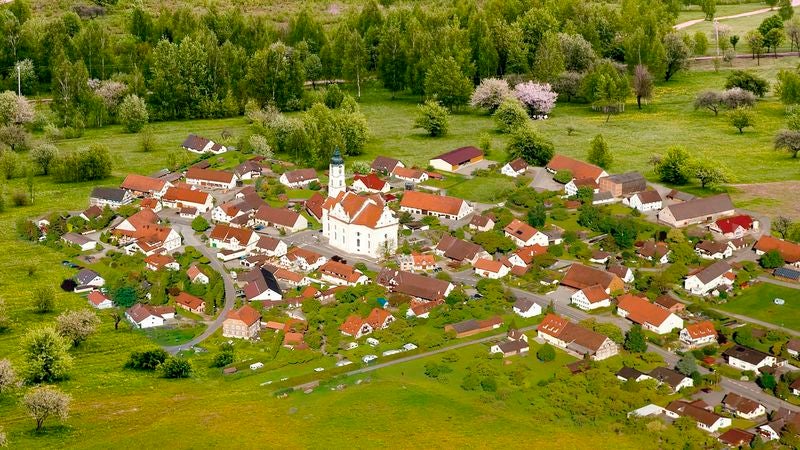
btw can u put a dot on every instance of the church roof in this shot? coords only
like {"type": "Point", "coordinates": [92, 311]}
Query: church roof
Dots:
{"type": "Point", "coordinates": [337, 157]}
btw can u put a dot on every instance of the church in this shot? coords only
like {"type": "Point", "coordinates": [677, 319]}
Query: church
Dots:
{"type": "Point", "coordinates": [353, 223]}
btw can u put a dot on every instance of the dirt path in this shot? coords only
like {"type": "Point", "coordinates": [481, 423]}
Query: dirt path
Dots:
{"type": "Point", "coordinates": [756, 12]}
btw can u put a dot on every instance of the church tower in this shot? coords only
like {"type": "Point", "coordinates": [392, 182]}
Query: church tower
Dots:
{"type": "Point", "coordinates": [336, 174]}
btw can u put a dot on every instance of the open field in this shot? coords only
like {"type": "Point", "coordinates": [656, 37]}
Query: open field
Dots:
{"type": "Point", "coordinates": [757, 302]}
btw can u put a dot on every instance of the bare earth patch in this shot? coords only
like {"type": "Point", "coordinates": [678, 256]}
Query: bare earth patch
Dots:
{"type": "Point", "coordinates": [773, 199]}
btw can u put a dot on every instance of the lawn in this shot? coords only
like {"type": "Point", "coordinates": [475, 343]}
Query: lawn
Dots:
{"type": "Point", "coordinates": [489, 189]}
{"type": "Point", "coordinates": [757, 302]}
{"type": "Point", "coordinates": [173, 335]}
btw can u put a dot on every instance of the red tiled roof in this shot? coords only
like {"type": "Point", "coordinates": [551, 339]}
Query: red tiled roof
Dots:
{"type": "Point", "coordinates": [186, 195]}
{"type": "Point", "coordinates": [141, 183]}
{"type": "Point", "coordinates": [193, 272]}
{"type": "Point", "coordinates": [189, 301]}
{"type": "Point", "coordinates": [377, 317]}
{"type": "Point", "coordinates": [226, 233]}
{"type": "Point", "coordinates": [789, 251]}
{"type": "Point", "coordinates": [529, 252]}
{"type": "Point", "coordinates": [701, 330]}
{"type": "Point", "coordinates": [595, 293]}
{"type": "Point", "coordinates": [579, 169]}
{"type": "Point", "coordinates": [314, 205]}
{"type": "Point", "coordinates": [351, 325]}
{"type": "Point", "coordinates": [97, 297]}
{"type": "Point", "coordinates": [405, 172]}
{"type": "Point", "coordinates": [159, 261]}
{"type": "Point", "coordinates": [371, 181]}
{"type": "Point", "coordinates": [341, 271]}
{"type": "Point", "coordinates": [642, 311]}
{"type": "Point", "coordinates": [219, 176]}
{"type": "Point", "coordinates": [729, 225]}
{"type": "Point", "coordinates": [488, 265]}
{"type": "Point", "coordinates": [431, 202]}
{"type": "Point", "coordinates": [302, 253]}
{"type": "Point", "coordinates": [520, 230]}
{"type": "Point", "coordinates": [246, 314]}
{"type": "Point", "coordinates": [579, 276]}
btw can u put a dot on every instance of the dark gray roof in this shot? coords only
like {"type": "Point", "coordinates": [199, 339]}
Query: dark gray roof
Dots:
{"type": "Point", "coordinates": [524, 304]}
{"type": "Point", "coordinates": [384, 164]}
{"type": "Point", "coordinates": [466, 325]}
{"type": "Point", "coordinates": [629, 373]}
{"type": "Point", "coordinates": [85, 276]}
{"type": "Point", "coordinates": [713, 271]}
{"type": "Point", "coordinates": [512, 346]}
{"type": "Point", "coordinates": [701, 207]}
{"type": "Point", "coordinates": [627, 177]}
{"type": "Point", "coordinates": [76, 238]}
{"type": "Point", "coordinates": [602, 195]}
{"type": "Point", "coordinates": [195, 142]}
{"type": "Point", "coordinates": [415, 285]}
{"type": "Point", "coordinates": [109, 193]}
{"type": "Point", "coordinates": [667, 375]}
{"type": "Point", "coordinates": [745, 354]}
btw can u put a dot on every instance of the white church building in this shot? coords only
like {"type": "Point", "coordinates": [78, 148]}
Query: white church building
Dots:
{"type": "Point", "coordinates": [355, 223]}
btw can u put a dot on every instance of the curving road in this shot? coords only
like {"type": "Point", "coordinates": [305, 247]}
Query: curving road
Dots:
{"type": "Point", "coordinates": [756, 12]}
{"type": "Point", "coordinates": [190, 239]}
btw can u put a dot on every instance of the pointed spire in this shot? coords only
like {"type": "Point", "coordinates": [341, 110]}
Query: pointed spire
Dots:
{"type": "Point", "coordinates": [337, 157]}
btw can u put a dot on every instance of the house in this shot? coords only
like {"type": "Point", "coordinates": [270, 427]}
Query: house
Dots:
{"type": "Point", "coordinates": [158, 261]}
{"type": "Point", "coordinates": [790, 252]}
{"type": "Point", "coordinates": [592, 297]}
{"type": "Point", "coordinates": [473, 326]}
{"type": "Point", "coordinates": [226, 237]}
{"type": "Point", "coordinates": [572, 186]}
{"type": "Point", "coordinates": [599, 257]}
{"type": "Point", "coordinates": [743, 406]}
{"type": "Point", "coordinates": [111, 197]}
{"type": "Point", "coordinates": [334, 272]}
{"type": "Point", "coordinates": [481, 222]}
{"type": "Point", "coordinates": [624, 273]}
{"type": "Point", "coordinates": [441, 206]}
{"type": "Point", "coordinates": [190, 303]}
{"type": "Point", "coordinates": [602, 198]}
{"type": "Point", "coordinates": [314, 205]}
{"type": "Point", "coordinates": [410, 175]}
{"type": "Point", "coordinates": [421, 309]}
{"type": "Point", "coordinates": [579, 276]}
{"type": "Point", "coordinates": [178, 198]}
{"type": "Point", "coordinates": [152, 239]}
{"type": "Point", "coordinates": [524, 235]}
{"type": "Point", "coordinates": [459, 250]}
{"type": "Point", "coordinates": [196, 275]}
{"type": "Point", "coordinates": [209, 178]}
{"type": "Point", "coordinates": [624, 184]}
{"type": "Point", "coordinates": [99, 300]}
{"type": "Point", "coordinates": [298, 179]}
{"type": "Point", "coordinates": [795, 387]}
{"type": "Point", "coordinates": [280, 218]}
{"type": "Point", "coordinates": [91, 213]}
{"type": "Point", "coordinates": [575, 339]}
{"type": "Point", "coordinates": [516, 343]}
{"type": "Point", "coordinates": [417, 286]}
{"type": "Point", "coordinates": [248, 170]}
{"type": "Point", "coordinates": [144, 186]}
{"type": "Point", "coordinates": [385, 165]}
{"type": "Point", "coordinates": [744, 358]}
{"type": "Point", "coordinates": [656, 252]}
{"type": "Point", "coordinates": [197, 144]}
{"type": "Point", "coordinates": [716, 276]}
{"type": "Point", "coordinates": [525, 307]}
{"type": "Point", "coordinates": [736, 438]}
{"type": "Point", "coordinates": [699, 334]}
{"type": "Point", "coordinates": [644, 201]}
{"type": "Point", "coordinates": [84, 243]}
{"type": "Point", "coordinates": [416, 261]}
{"type": "Point", "coordinates": [678, 196]}
{"type": "Point", "coordinates": [242, 323]}
{"type": "Point", "coordinates": [370, 184]}
{"type": "Point", "coordinates": [734, 227]}
{"type": "Point", "coordinates": [514, 168]}
{"type": "Point", "coordinates": [697, 210]}
{"type": "Point", "coordinates": [488, 268]}
{"type": "Point", "coordinates": [669, 303]}
{"type": "Point", "coordinates": [261, 285]}
{"type": "Point", "coordinates": [303, 259]}
{"type": "Point", "coordinates": [782, 420]}
{"type": "Point", "coordinates": [579, 169]}
{"type": "Point", "coordinates": [147, 316]}
{"type": "Point", "coordinates": [524, 256]}
{"type": "Point", "coordinates": [87, 279]}
{"type": "Point", "coordinates": [672, 378]}
{"type": "Point", "coordinates": [649, 316]}
{"type": "Point", "coordinates": [150, 203]}
{"type": "Point", "coordinates": [456, 159]}
{"type": "Point", "coordinates": [270, 246]}
{"type": "Point", "coordinates": [355, 326]}
{"type": "Point", "coordinates": [701, 413]}
{"type": "Point", "coordinates": [629, 373]}
{"type": "Point", "coordinates": [713, 250]}
{"type": "Point", "coordinates": [793, 347]}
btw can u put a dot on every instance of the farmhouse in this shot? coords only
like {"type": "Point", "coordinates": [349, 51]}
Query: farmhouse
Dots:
{"type": "Point", "coordinates": [790, 252]}
{"type": "Point", "coordinates": [197, 144]}
{"type": "Point", "coordinates": [575, 339]}
{"type": "Point", "coordinates": [514, 168]}
{"type": "Point", "coordinates": [298, 179]}
{"type": "Point", "coordinates": [84, 243]}
{"type": "Point", "coordinates": [459, 250]}
{"type": "Point", "coordinates": [99, 300]}
{"type": "Point", "coordinates": [281, 218]}
{"type": "Point", "coordinates": [187, 198]}
{"type": "Point", "coordinates": [410, 175]}
{"type": "Point", "coordinates": [441, 206]}
{"type": "Point", "coordinates": [699, 334]}
{"type": "Point", "coordinates": [370, 184]}
{"type": "Point", "coordinates": [579, 169]}
{"type": "Point", "coordinates": [457, 159]}
{"type": "Point", "coordinates": [225, 237]}
{"type": "Point", "coordinates": [334, 272]}
{"type": "Point", "coordinates": [524, 235]}
{"type": "Point", "coordinates": [191, 303]}
{"type": "Point", "coordinates": [209, 178]}
{"type": "Point", "coordinates": [644, 201]}
{"type": "Point", "coordinates": [242, 323]}
{"type": "Point", "coordinates": [734, 227]}
{"type": "Point", "coordinates": [579, 276]}
{"type": "Point", "coordinates": [141, 186]}
{"type": "Point", "coordinates": [697, 210]}
{"type": "Point", "coordinates": [147, 316]}
{"type": "Point", "coordinates": [592, 297]}
{"type": "Point", "coordinates": [744, 358]}
{"type": "Point", "coordinates": [473, 326]}
{"type": "Point", "coordinates": [624, 184]}
{"type": "Point", "coordinates": [648, 315]}
{"type": "Point", "coordinates": [414, 285]}
{"type": "Point", "coordinates": [111, 197]}
{"type": "Point", "coordinates": [716, 276]}
{"type": "Point", "coordinates": [385, 165]}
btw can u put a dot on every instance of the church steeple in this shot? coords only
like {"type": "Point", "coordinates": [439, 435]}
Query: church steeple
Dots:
{"type": "Point", "coordinates": [336, 182]}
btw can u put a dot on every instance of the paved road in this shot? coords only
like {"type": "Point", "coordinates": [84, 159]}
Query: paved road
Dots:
{"type": "Point", "coordinates": [756, 12]}
{"type": "Point", "coordinates": [190, 239]}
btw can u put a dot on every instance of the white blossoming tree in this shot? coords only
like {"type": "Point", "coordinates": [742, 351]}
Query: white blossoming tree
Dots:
{"type": "Point", "coordinates": [538, 98]}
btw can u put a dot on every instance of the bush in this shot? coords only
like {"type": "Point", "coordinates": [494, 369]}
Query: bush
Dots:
{"type": "Point", "coordinates": [132, 113]}
{"type": "Point", "coordinates": [20, 198]}
{"type": "Point", "coordinates": [176, 368]}
{"type": "Point", "coordinates": [510, 115]}
{"type": "Point", "coordinates": [489, 384]}
{"type": "Point", "coordinates": [748, 81]}
{"type": "Point", "coordinates": [223, 359]}
{"type": "Point", "coordinates": [200, 224]}
{"type": "Point", "coordinates": [147, 360]}
{"type": "Point", "coordinates": [433, 118]}
{"type": "Point", "coordinates": [546, 353]}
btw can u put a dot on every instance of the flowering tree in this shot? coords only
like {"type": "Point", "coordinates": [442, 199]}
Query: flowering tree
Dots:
{"type": "Point", "coordinates": [490, 94]}
{"type": "Point", "coordinates": [539, 98]}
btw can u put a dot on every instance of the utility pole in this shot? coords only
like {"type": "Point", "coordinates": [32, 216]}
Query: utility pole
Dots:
{"type": "Point", "coordinates": [19, 81]}
{"type": "Point", "coordinates": [716, 34]}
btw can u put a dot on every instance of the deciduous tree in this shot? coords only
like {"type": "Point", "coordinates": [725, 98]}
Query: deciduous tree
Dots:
{"type": "Point", "coordinates": [740, 118]}
{"type": "Point", "coordinates": [490, 94]}
{"type": "Point", "coordinates": [132, 113]}
{"type": "Point", "coordinates": [45, 401]}
{"type": "Point", "coordinates": [46, 355]}
{"type": "Point", "coordinates": [433, 118]}
{"type": "Point", "coordinates": [599, 153]}
{"type": "Point", "coordinates": [510, 116]}
{"type": "Point", "coordinates": [77, 326]}
{"type": "Point", "coordinates": [538, 98]}
{"type": "Point", "coordinates": [788, 140]}
{"type": "Point", "coordinates": [675, 167]}
{"type": "Point", "coordinates": [708, 99]}
{"type": "Point", "coordinates": [44, 299]}
{"type": "Point", "coordinates": [525, 143]}
{"type": "Point", "coordinates": [446, 83]}
{"type": "Point", "coordinates": [634, 340]}
{"type": "Point", "coordinates": [676, 55]}
{"type": "Point", "coordinates": [710, 173]}
{"type": "Point", "coordinates": [642, 84]}
{"type": "Point", "coordinates": [8, 376]}
{"type": "Point", "coordinates": [737, 98]}
{"type": "Point", "coordinates": [43, 156]}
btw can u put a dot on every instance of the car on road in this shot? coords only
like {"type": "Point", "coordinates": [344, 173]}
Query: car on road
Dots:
{"type": "Point", "coordinates": [319, 369]}
{"type": "Point", "coordinates": [240, 292]}
{"type": "Point", "coordinates": [437, 269]}
{"type": "Point", "coordinates": [369, 358]}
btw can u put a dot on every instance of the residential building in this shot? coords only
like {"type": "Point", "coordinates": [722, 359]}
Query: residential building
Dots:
{"type": "Point", "coordinates": [421, 309]}
{"type": "Point", "coordinates": [281, 218]}
{"type": "Point", "coordinates": [514, 168]}
{"type": "Point", "coordinates": [525, 307]}
{"type": "Point", "coordinates": [144, 186]}
{"type": "Point", "coordinates": [147, 316]}
{"type": "Point", "coordinates": [572, 186]}
{"type": "Point", "coordinates": [314, 205]}
{"type": "Point", "coordinates": [488, 268]}
{"type": "Point", "coordinates": [417, 286]}
{"type": "Point", "coordinates": [261, 286]}
{"type": "Point", "coordinates": [187, 198]}
{"type": "Point", "coordinates": [196, 275]}
{"type": "Point", "coordinates": [579, 169]}
{"type": "Point", "coordinates": [656, 252]}
{"type": "Point", "coordinates": [225, 237]}
{"type": "Point", "coordinates": [516, 343]}
{"type": "Point", "coordinates": [481, 222]}
{"type": "Point", "coordinates": [270, 246]}
{"type": "Point", "coordinates": [697, 210]}
{"type": "Point", "coordinates": [91, 213]}
{"type": "Point", "coordinates": [575, 339]}
{"type": "Point", "coordinates": [158, 261]}
{"type": "Point", "coordinates": [248, 170]}
{"type": "Point", "coordinates": [736, 438]}
{"type": "Point", "coordinates": [111, 197]}
{"type": "Point", "coordinates": [298, 179]}
{"type": "Point", "coordinates": [473, 326]}
{"type": "Point", "coordinates": [744, 358]}
{"type": "Point", "coordinates": [717, 276]}
{"type": "Point", "coordinates": [87, 279]}
{"type": "Point", "coordinates": [370, 184]}
{"type": "Point", "coordinates": [200, 145]}
{"type": "Point", "coordinates": [669, 303]}
{"type": "Point", "coordinates": [190, 303]}
{"type": "Point", "coordinates": [84, 243]}
{"type": "Point", "coordinates": [649, 316]}
{"type": "Point", "coordinates": [734, 227]}
{"type": "Point", "coordinates": [699, 334]}
{"type": "Point", "coordinates": [624, 184]}
{"type": "Point", "coordinates": [592, 297]}
{"type": "Point", "coordinates": [629, 373]}
{"type": "Point", "coordinates": [441, 206]}
{"type": "Point", "coordinates": [672, 378]}
{"type": "Point", "coordinates": [790, 252]}
{"type": "Point", "coordinates": [624, 273]}
{"type": "Point", "coordinates": [385, 165]}
{"type": "Point", "coordinates": [209, 178]}
{"type": "Point", "coordinates": [456, 159]}
{"type": "Point", "coordinates": [644, 201]}
{"type": "Point", "coordinates": [334, 272]}
{"type": "Point", "coordinates": [99, 300]}
{"type": "Point", "coordinates": [242, 323]}
{"type": "Point", "coordinates": [302, 259]}
{"type": "Point", "coordinates": [460, 250]}
{"type": "Point", "coordinates": [743, 407]}
{"type": "Point", "coordinates": [713, 250]}
{"type": "Point", "coordinates": [524, 235]}
{"type": "Point", "coordinates": [416, 261]}
{"type": "Point", "coordinates": [524, 256]}
{"type": "Point", "coordinates": [579, 276]}
{"type": "Point", "coordinates": [410, 175]}
{"type": "Point", "coordinates": [356, 326]}
{"type": "Point", "coordinates": [701, 413]}
{"type": "Point", "coordinates": [782, 421]}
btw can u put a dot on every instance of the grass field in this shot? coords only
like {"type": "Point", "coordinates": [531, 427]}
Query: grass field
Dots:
{"type": "Point", "coordinates": [757, 302]}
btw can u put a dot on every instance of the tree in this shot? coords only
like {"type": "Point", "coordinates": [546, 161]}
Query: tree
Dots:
{"type": "Point", "coordinates": [433, 118]}
{"type": "Point", "coordinates": [675, 167]}
{"type": "Point", "coordinates": [563, 176]}
{"type": "Point", "coordinates": [15, 137]}
{"type": "Point", "coordinates": [767, 381]}
{"type": "Point", "coordinates": [260, 146]}
{"type": "Point", "coordinates": [446, 83]}
{"type": "Point", "coordinates": [788, 140]}
{"type": "Point", "coordinates": [43, 156]}
{"type": "Point", "coordinates": [200, 224]}
{"type": "Point", "coordinates": [770, 23]}
{"type": "Point", "coordinates": [700, 43]}
{"type": "Point", "coordinates": [687, 365]}
{"type": "Point", "coordinates": [792, 29]}
{"type": "Point", "coordinates": [737, 98]}
{"type": "Point", "coordinates": [710, 173]}
{"type": "Point", "coordinates": [642, 84]}
{"type": "Point", "coordinates": [392, 58]}
{"type": "Point", "coordinates": [15, 109]}
{"type": "Point", "coordinates": [354, 59]}
{"type": "Point", "coordinates": [176, 368]}
{"type": "Point", "coordinates": [147, 359]}
{"type": "Point", "coordinates": [510, 116]}
{"type": "Point", "coordinates": [132, 113]}
{"type": "Point", "coordinates": [634, 340]}
{"type": "Point", "coordinates": [740, 118]}
{"type": "Point", "coordinates": [546, 353]}
{"type": "Point", "coordinates": [771, 260]}
{"type": "Point", "coordinates": [493, 241]}
{"type": "Point", "coordinates": [525, 143]}
{"type": "Point", "coordinates": [4, 320]}
{"type": "Point", "coordinates": [708, 99]}
{"type": "Point", "coordinates": [538, 98]}
{"type": "Point", "coordinates": [537, 214]}
{"type": "Point", "coordinates": [46, 355]}
{"type": "Point", "coordinates": [734, 39]}
{"type": "Point", "coordinates": [781, 226]}
{"type": "Point", "coordinates": [549, 60]}
{"type": "Point", "coordinates": [8, 376]}
{"type": "Point", "coordinates": [45, 401]}
{"type": "Point", "coordinates": [599, 153]}
{"type": "Point", "coordinates": [788, 86]}
{"type": "Point", "coordinates": [676, 55]}
{"type": "Point", "coordinates": [489, 384]}
{"type": "Point", "coordinates": [774, 39]}
{"type": "Point", "coordinates": [755, 41]}
{"type": "Point", "coordinates": [490, 94]}
{"type": "Point", "coordinates": [44, 299]}
{"type": "Point", "coordinates": [77, 326]}
{"type": "Point", "coordinates": [578, 53]}
{"type": "Point", "coordinates": [606, 87]}
{"type": "Point", "coordinates": [709, 8]}
{"type": "Point", "coordinates": [786, 10]}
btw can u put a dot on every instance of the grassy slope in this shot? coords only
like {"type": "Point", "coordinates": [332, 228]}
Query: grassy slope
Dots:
{"type": "Point", "coordinates": [757, 302]}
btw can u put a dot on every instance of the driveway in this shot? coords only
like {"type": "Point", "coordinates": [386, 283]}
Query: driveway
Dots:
{"type": "Point", "coordinates": [482, 164]}
{"type": "Point", "coordinates": [543, 180]}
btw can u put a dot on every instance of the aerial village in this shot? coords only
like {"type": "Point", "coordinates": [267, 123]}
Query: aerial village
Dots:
{"type": "Point", "coordinates": [362, 268]}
